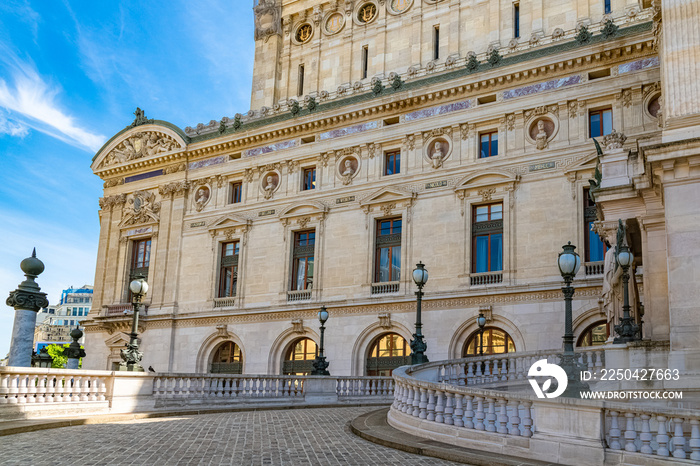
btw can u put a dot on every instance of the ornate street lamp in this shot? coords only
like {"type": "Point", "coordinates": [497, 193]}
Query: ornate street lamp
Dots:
{"type": "Point", "coordinates": [481, 322]}
{"type": "Point", "coordinates": [131, 356]}
{"type": "Point", "coordinates": [43, 359]}
{"type": "Point", "coordinates": [320, 363]}
{"type": "Point", "coordinates": [627, 329]}
{"type": "Point", "coordinates": [418, 346]}
{"type": "Point", "coordinates": [569, 262]}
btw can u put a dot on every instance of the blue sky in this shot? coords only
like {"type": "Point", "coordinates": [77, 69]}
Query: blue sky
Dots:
{"type": "Point", "coordinates": [71, 75]}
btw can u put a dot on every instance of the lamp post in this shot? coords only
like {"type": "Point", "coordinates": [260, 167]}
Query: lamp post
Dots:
{"type": "Point", "coordinates": [481, 322]}
{"type": "Point", "coordinates": [627, 329]}
{"type": "Point", "coordinates": [418, 346]}
{"type": "Point", "coordinates": [569, 262]}
{"type": "Point", "coordinates": [42, 359]}
{"type": "Point", "coordinates": [320, 363]}
{"type": "Point", "coordinates": [131, 356]}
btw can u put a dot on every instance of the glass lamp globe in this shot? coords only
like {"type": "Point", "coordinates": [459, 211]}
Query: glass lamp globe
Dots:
{"type": "Point", "coordinates": [323, 315]}
{"type": "Point", "coordinates": [569, 261]}
{"type": "Point", "coordinates": [481, 321]}
{"type": "Point", "coordinates": [139, 286]}
{"type": "Point", "coordinates": [420, 274]}
{"type": "Point", "coordinates": [625, 256]}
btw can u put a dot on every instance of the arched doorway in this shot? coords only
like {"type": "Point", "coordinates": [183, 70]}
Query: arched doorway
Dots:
{"type": "Point", "coordinates": [595, 334]}
{"type": "Point", "coordinates": [227, 359]}
{"type": "Point", "coordinates": [496, 341]}
{"type": "Point", "coordinates": [299, 357]}
{"type": "Point", "coordinates": [386, 353]}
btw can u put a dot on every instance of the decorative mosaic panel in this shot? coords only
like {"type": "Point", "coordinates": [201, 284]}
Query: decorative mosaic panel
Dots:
{"type": "Point", "coordinates": [271, 148]}
{"type": "Point", "coordinates": [638, 65]}
{"type": "Point", "coordinates": [143, 176]}
{"type": "Point", "coordinates": [541, 87]}
{"type": "Point", "coordinates": [340, 132]}
{"type": "Point", "coordinates": [440, 110]}
{"type": "Point", "coordinates": [208, 162]}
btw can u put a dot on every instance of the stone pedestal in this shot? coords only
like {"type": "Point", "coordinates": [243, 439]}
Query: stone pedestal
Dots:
{"type": "Point", "coordinates": [22, 338]}
{"type": "Point", "coordinates": [73, 363]}
{"type": "Point", "coordinates": [613, 165]}
{"type": "Point", "coordinates": [320, 390]}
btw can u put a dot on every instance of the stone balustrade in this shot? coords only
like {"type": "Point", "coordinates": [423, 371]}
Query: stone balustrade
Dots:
{"type": "Point", "coordinates": [42, 386]}
{"type": "Point", "coordinates": [505, 367]}
{"type": "Point", "coordinates": [294, 296]}
{"type": "Point", "coordinates": [487, 278]}
{"type": "Point", "coordinates": [226, 387]}
{"type": "Point", "coordinates": [436, 401]}
{"type": "Point", "coordinates": [385, 287]}
{"type": "Point", "coordinates": [362, 387]}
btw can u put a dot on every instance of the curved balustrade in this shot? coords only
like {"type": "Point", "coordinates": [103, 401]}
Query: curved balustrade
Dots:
{"type": "Point", "coordinates": [39, 386]}
{"type": "Point", "coordinates": [226, 387]}
{"type": "Point", "coordinates": [440, 401]}
{"type": "Point", "coordinates": [349, 387]}
{"type": "Point", "coordinates": [494, 368]}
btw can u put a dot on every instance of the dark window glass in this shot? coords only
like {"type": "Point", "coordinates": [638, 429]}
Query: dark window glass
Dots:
{"type": "Point", "coordinates": [236, 189]}
{"type": "Point", "coordinates": [487, 235]}
{"type": "Point", "coordinates": [365, 61]}
{"type": "Point", "coordinates": [595, 247]}
{"type": "Point", "coordinates": [309, 179]}
{"type": "Point", "coordinates": [227, 359]}
{"type": "Point", "coordinates": [607, 7]}
{"type": "Point", "coordinates": [303, 263]}
{"type": "Point", "coordinates": [300, 357]}
{"type": "Point", "coordinates": [388, 251]}
{"type": "Point", "coordinates": [228, 276]}
{"type": "Point", "coordinates": [489, 144]}
{"type": "Point", "coordinates": [600, 122]}
{"type": "Point", "coordinates": [595, 335]}
{"type": "Point", "coordinates": [436, 42]}
{"type": "Point", "coordinates": [496, 341]}
{"type": "Point", "coordinates": [516, 20]}
{"type": "Point", "coordinates": [386, 353]}
{"type": "Point", "coordinates": [300, 90]}
{"type": "Point", "coordinates": [392, 163]}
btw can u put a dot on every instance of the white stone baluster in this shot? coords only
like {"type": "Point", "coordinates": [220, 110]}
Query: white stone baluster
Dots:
{"type": "Point", "coordinates": [514, 419]}
{"type": "Point", "coordinates": [614, 432]}
{"type": "Point", "coordinates": [458, 415]}
{"type": "Point", "coordinates": [40, 389]}
{"type": "Point", "coordinates": [527, 418]}
{"type": "Point", "coordinates": [408, 399]}
{"type": "Point", "coordinates": [678, 439]}
{"type": "Point", "coordinates": [4, 388]}
{"type": "Point", "coordinates": [422, 406]}
{"type": "Point", "coordinates": [31, 389]}
{"type": "Point", "coordinates": [22, 390]}
{"type": "Point", "coordinates": [431, 405]}
{"type": "Point", "coordinates": [630, 433]}
{"type": "Point", "coordinates": [102, 390]}
{"type": "Point", "coordinates": [645, 435]}
{"type": "Point", "coordinates": [470, 373]}
{"type": "Point", "coordinates": [461, 379]}
{"type": "Point", "coordinates": [504, 369]}
{"type": "Point", "coordinates": [449, 408]}
{"type": "Point", "coordinates": [491, 416]}
{"type": "Point", "coordinates": [439, 407]}
{"type": "Point", "coordinates": [480, 414]}
{"type": "Point", "coordinates": [92, 394]}
{"type": "Point", "coordinates": [662, 437]}
{"type": "Point", "coordinates": [694, 442]}
{"type": "Point", "coordinates": [502, 416]}
{"type": "Point", "coordinates": [469, 412]}
{"type": "Point", "coordinates": [415, 410]}
{"type": "Point", "coordinates": [479, 376]}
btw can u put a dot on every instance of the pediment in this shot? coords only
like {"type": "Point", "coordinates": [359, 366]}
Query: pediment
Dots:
{"type": "Point", "coordinates": [303, 209]}
{"type": "Point", "coordinates": [386, 195]}
{"type": "Point", "coordinates": [486, 178]}
{"type": "Point", "coordinates": [118, 339]}
{"type": "Point", "coordinates": [587, 162]}
{"type": "Point", "coordinates": [228, 221]}
{"type": "Point", "coordinates": [141, 142]}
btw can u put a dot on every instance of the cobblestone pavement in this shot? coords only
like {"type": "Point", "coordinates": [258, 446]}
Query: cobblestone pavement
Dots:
{"type": "Point", "coordinates": [285, 437]}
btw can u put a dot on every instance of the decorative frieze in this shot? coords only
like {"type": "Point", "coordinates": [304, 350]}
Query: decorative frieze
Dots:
{"type": "Point", "coordinates": [108, 202]}
{"type": "Point", "coordinates": [141, 144]}
{"type": "Point", "coordinates": [141, 208]}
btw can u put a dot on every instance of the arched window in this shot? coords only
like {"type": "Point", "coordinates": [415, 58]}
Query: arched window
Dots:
{"type": "Point", "coordinates": [386, 353]}
{"type": "Point", "coordinates": [227, 359]}
{"type": "Point", "coordinates": [496, 341]}
{"type": "Point", "coordinates": [299, 357]}
{"type": "Point", "coordinates": [594, 335]}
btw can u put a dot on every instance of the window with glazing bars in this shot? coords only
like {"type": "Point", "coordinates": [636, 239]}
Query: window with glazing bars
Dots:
{"type": "Point", "coordinates": [489, 144]}
{"type": "Point", "coordinates": [303, 269]}
{"type": "Point", "coordinates": [309, 181]}
{"type": "Point", "coordinates": [228, 275]}
{"type": "Point", "coordinates": [392, 163]}
{"type": "Point", "coordinates": [236, 190]}
{"type": "Point", "coordinates": [595, 247]}
{"type": "Point", "coordinates": [600, 122]}
{"type": "Point", "coordinates": [487, 238]}
{"type": "Point", "coordinates": [388, 251]}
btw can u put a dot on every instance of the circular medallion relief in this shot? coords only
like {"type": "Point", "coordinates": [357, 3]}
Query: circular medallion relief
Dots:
{"type": "Point", "coordinates": [542, 131]}
{"type": "Point", "coordinates": [437, 150]}
{"type": "Point", "coordinates": [348, 168]}
{"type": "Point", "coordinates": [201, 197]}
{"type": "Point", "coordinates": [334, 23]}
{"type": "Point", "coordinates": [304, 33]}
{"type": "Point", "coordinates": [397, 7]}
{"type": "Point", "coordinates": [654, 106]}
{"type": "Point", "coordinates": [269, 183]}
{"type": "Point", "coordinates": [367, 13]}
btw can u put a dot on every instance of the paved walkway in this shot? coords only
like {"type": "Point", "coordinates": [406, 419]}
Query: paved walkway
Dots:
{"type": "Point", "coordinates": [282, 437]}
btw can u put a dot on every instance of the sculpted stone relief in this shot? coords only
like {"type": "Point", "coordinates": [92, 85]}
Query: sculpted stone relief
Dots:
{"type": "Point", "coordinates": [348, 168]}
{"type": "Point", "coordinates": [139, 145]}
{"type": "Point", "coordinates": [202, 197]}
{"type": "Point", "coordinates": [141, 207]}
{"type": "Point", "coordinates": [269, 184]}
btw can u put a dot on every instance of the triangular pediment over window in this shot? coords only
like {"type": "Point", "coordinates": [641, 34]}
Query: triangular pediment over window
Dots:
{"type": "Point", "coordinates": [487, 178]}
{"type": "Point", "coordinates": [387, 195]}
{"type": "Point", "coordinates": [228, 221]}
{"type": "Point", "coordinates": [303, 209]}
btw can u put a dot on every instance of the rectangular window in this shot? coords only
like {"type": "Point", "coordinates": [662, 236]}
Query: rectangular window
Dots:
{"type": "Point", "coordinates": [365, 61]}
{"type": "Point", "coordinates": [595, 247]}
{"type": "Point", "coordinates": [388, 251]}
{"type": "Point", "coordinates": [608, 8]}
{"type": "Point", "coordinates": [300, 87]}
{"type": "Point", "coordinates": [303, 255]}
{"type": "Point", "coordinates": [489, 144]}
{"type": "Point", "coordinates": [516, 20]}
{"type": "Point", "coordinates": [392, 163]}
{"type": "Point", "coordinates": [487, 238]}
{"type": "Point", "coordinates": [600, 122]}
{"type": "Point", "coordinates": [228, 275]}
{"type": "Point", "coordinates": [236, 190]}
{"type": "Point", "coordinates": [436, 42]}
{"type": "Point", "coordinates": [140, 260]}
{"type": "Point", "coordinates": [309, 181]}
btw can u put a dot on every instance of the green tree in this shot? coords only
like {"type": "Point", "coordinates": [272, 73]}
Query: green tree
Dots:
{"type": "Point", "coordinates": [56, 353]}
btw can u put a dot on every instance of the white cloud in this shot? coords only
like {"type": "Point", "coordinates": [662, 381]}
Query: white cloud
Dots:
{"type": "Point", "coordinates": [12, 128]}
{"type": "Point", "coordinates": [34, 99]}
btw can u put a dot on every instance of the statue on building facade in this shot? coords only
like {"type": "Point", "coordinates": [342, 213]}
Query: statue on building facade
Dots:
{"type": "Point", "coordinates": [541, 138]}
{"type": "Point", "coordinates": [437, 156]}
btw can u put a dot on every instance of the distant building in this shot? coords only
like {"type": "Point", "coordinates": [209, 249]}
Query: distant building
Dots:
{"type": "Point", "coordinates": [55, 322]}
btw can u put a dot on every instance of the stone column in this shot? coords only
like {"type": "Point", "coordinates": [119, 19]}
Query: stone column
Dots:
{"type": "Point", "coordinates": [74, 351]}
{"type": "Point", "coordinates": [27, 299]}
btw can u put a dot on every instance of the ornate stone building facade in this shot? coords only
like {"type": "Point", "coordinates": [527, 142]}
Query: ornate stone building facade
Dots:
{"type": "Point", "coordinates": [383, 133]}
